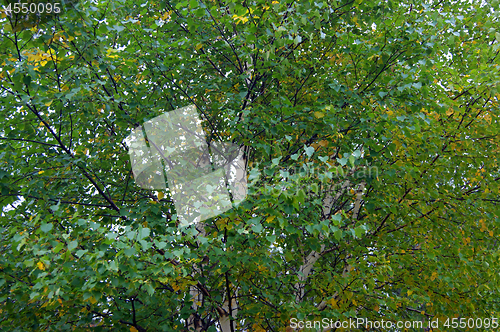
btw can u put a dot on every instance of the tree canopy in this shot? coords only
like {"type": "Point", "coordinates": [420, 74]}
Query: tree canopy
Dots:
{"type": "Point", "coordinates": [371, 134]}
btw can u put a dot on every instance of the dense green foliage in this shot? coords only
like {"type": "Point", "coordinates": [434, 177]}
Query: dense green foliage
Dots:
{"type": "Point", "coordinates": [371, 130]}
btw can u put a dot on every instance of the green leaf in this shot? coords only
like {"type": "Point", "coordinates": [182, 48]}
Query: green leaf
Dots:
{"type": "Point", "coordinates": [130, 251]}
{"type": "Point", "coordinates": [336, 219]}
{"type": "Point", "coordinates": [113, 266]}
{"type": "Point", "coordinates": [47, 227]}
{"type": "Point", "coordinates": [276, 161]}
{"type": "Point", "coordinates": [359, 231]}
{"type": "Point", "coordinates": [297, 40]}
{"type": "Point", "coordinates": [55, 207]}
{"type": "Point", "coordinates": [149, 288]}
{"type": "Point", "coordinates": [27, 80]}
{"type": "Point", "coordinates": [352, 160]}
{"type": "Point", "coordinates": [80, 253]}
{"type": "Point", "coordinates": [143, 233]}
{"type": "Point", "coordinates": [161, 244]}
{"type": "Point", "coordinates": [72, 245]}
{"type": "Point", "coordinates": [118, 28]}
{"type": "Point", "coordinates": [58, 248]}
{"type": "Point", "coordinates": [309, 151]}
{"type": "Point", "coordinates": [131, 235]}
{"type": "Point", "coordinates": [257, 228]}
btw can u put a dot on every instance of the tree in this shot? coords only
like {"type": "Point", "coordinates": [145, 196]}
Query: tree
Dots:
{"type": "Point", "coordinates": [371, 134]}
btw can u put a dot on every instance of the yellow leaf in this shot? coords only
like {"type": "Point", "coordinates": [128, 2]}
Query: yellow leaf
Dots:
{"type": "Point", "coordinates": [40, 172]}
{"type": "Point", "coordinates": [160, 195]}
{"type": "Point", "coordinates": [48, 103]}
{"type": "Point", "coordinates": [111, 50]}
{"type": "Point", "coordinates": [40, 265]}
{"type": "Point", "coordinates": [133, 329]}
{"type": "Point", "coordinates": [270, 218]}
{"type": "Point", "coordinates": [166, 15]}
{"type": "Point", "coordinates": [92, 300]}
{"type": "Point", "coordinates": [483, 225]}
{"type": "Point", "coordinates": [323, 143]}
{"type": "Point", "coordinates": [319, 115]}
{"type": "Point", "coordinates": [240, 19]}
{"type": "Point", "coordinates": [487, 117]}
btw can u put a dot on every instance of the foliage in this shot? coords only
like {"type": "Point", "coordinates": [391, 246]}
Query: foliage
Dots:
{"type": "Point", "coordinates": [317, 93]}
